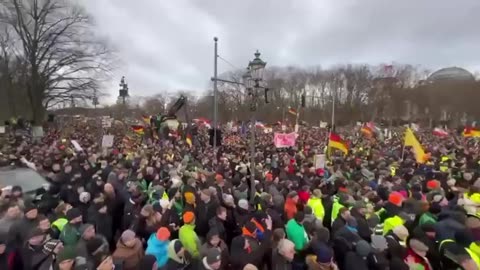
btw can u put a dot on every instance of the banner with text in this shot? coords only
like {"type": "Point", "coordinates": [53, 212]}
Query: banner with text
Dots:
{"type": "Point", "coordinates": [282, 140]}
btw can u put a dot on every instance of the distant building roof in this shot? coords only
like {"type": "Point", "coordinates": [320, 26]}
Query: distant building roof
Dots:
{"type": "Point", "coordinates": [451, 74]}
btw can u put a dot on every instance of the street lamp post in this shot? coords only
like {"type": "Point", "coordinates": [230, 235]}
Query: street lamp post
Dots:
{"type": "Point", "coordinates": [252, 80]}
{"type": "Point", "coordinates": [215, 96]}
{"type": "Point", "coordinates": [254, 77]}
{"type": "Point", "coordinates": [123, 92]}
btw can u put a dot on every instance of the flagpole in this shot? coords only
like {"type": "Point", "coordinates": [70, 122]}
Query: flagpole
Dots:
{"type": "Point", "coordinates": [333, 111]}
{"type": "Point", "coordinates": [215, 98]}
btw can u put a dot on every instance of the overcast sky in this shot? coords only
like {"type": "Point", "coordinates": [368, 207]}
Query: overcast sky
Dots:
{"type": "Point", "coordinates": [168, 44]}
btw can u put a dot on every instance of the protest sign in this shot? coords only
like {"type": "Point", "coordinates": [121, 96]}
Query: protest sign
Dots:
{"type": "Point", "coordinates": [107, 141]}
{"type": "Point", "coordinates": [282, 140]}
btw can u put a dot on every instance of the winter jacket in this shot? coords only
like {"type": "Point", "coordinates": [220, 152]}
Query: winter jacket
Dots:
{"type": "Point", "coordinates": [297, 234]}
{"type": "Point", "coordinates": [279, 262]}
{"type": "Point", "coordinates": [203, 213]}
{"type": "Point", "coordinates": [70, 234]}
{"type": "Point", "coordinates": [254, 254]}
{"type": "Point", "coordinates": [290, 208]}
{"type": "Point", "coordinates": [35, 258]}
{"type": "Point", "coordinates": [317, 207]}
{"type": "Point", "coordinates": [418, 260]}
{"type": "Point", "coordinates": [130, 256]}
{"type": "Point", "coordinates": [20, 229]}
{"type": "Point", "coordinates": [8, 260]}
{"type": "Point", "coordinates": [217, 223]}
{"type": "Point", "coordinates": [190, 240]}
{"type": "Point", "coordinates": [354, 262]}
{"type": "Point", "coordinates": [363, 228]}
{"type": "Point", "coordinates": [159, 249]}
{"type": "Point", "coordinates": [224, 252]}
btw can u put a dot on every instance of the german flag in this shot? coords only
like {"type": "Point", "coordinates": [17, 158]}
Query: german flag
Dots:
{"type": "Point", "coordinates": [292, 111]}
{"type": "Point", "coordinates": [138, 129]}
{"type": "Point", "coordinates": [367, 131]}
{"type": "Point", "coordinates": [470, 132]}
{"type": "Point", "coordinates": [188, 139]}
{"type": "Point", "coordinates": [335, 141]}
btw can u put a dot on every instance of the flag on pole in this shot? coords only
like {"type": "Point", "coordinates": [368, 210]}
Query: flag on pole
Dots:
{"type": "Point", "coordinates": [138, 129]}
{"type": "Point", "coordinates": [335, 141]}
{"type": "Point", "coordinates": [411, 140]}
{"type": "Point", "coordinates": [470, 132]}
{"type": "Point", "coordinates": [188, 139]}
{"type": "Point", "coordinates": [259, 124]}
{"type": "Point", "coordinates": [292, 111]}
{"type": "Point", "coordinates": [440, 132]}
{"type": "Point", "coordinates": [367, 131]}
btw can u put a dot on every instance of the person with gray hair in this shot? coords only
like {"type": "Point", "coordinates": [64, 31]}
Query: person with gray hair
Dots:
{"type": "Point", "coordinates": [283, 254]}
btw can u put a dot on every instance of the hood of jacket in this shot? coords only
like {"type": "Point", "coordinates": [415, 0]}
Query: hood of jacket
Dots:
{"type": "Point", "coordinates": [171, 252]}
{"type": "Point", "coordinates": [124, 251]}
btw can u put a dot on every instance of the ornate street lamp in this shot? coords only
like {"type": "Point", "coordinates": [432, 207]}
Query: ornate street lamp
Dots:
{"type": "Point", "coordinates": [123, 91]}
{"type": "Point", "coordinates": [257, 68]}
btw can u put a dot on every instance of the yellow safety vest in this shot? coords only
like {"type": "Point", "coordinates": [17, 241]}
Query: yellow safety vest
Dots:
{"type": "Point", "coordinates": [393, 171]}
{"type": "Point", "coordinates": [391, 223]}
{"type": "Point", "coordinates": [336, 209]}
{"type": "Point", "coordinates": [259, 206]}
{"type": "Point", "coordinates": [317, 207]}
{"type": "Point", "coordinates": [60, 223]}
{"type": "Point", "coordinates": [472, 254]}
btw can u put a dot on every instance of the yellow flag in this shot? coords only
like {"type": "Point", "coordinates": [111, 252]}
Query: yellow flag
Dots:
{"type": "Point", "coordinates": [410, 140]}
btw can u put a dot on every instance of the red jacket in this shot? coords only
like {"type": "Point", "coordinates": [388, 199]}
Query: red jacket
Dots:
{"type": "Point", "coordinates": [303, 196]}
{"type": "Point", "coordinates": [413, 257]}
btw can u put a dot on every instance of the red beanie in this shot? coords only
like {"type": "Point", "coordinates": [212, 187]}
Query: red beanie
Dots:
{"type": "Point", "coordinates": [395, 198]}
{"type": "Point", "coordinates": [433, 184]}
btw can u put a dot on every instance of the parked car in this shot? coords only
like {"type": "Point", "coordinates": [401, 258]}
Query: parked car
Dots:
{"type": "Point", "coordinates": [32, 183]}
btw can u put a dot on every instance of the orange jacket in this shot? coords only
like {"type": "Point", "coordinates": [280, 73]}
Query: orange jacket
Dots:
{"type": "Point", "coordinates": [290, 208]}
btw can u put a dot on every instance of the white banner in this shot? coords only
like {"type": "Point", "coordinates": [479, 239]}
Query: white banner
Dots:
{"type": "Point", "coordinates": [319, 161]}
{"type": "Point", "coordinates": [107, 141]}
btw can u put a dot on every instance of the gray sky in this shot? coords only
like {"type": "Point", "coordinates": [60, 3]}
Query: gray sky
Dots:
{"type": "Point", "coordinates": [168, 44]}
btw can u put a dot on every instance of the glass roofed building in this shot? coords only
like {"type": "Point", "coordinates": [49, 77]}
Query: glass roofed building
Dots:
{"type": "Point", "coordinates": [454, 74]}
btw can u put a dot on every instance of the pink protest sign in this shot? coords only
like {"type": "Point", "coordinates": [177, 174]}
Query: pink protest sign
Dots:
{"type": "Point", "coordinates": [282, 140]}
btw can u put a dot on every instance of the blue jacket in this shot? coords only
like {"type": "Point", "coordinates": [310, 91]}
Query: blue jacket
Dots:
{"type": "Point", "coordinates": [158, 249]}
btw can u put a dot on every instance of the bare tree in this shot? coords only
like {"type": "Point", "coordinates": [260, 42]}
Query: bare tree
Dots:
{"type": "Point", "coordinates": [64, 59]}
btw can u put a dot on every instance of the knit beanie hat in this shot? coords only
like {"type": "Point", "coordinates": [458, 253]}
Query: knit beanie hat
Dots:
{"type": "Point", "coordinates": [163, 234]}
{"type": "Point", "coordinates": [243, 204]}
{"type": "Point", "coordinates": [84, 227]}
{"type": "Point", "coordinates": [73, 214]}
{"type": "Point", "coordinates": [379, 242]}
{"type": "Point", "coordinates": [433, 184]}
{"type": "Point", "coordinates": [323, 252]}
{"type": "Point", "coordinates": [128, 235]}
{"type": "Point", "coordinates": [188, 217]}
{"type": "Point", "coordinates": [395, 198]}
{"type": "Point", "coordinates": [363, 248]}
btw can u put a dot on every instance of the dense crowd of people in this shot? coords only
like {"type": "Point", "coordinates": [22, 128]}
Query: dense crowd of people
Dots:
{"type": "Point", "coordinates": [164, 204]}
